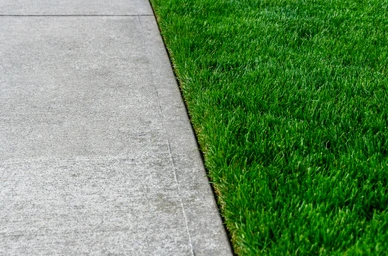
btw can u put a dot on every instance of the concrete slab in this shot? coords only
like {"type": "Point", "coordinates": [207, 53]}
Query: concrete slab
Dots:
{"type": "Point", "coordinates": [97, 156]}
{"type": "Point", "coordinates": [75, 7]}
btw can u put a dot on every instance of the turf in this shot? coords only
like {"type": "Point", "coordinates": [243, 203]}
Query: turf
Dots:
{"type": "Point", "coordinates": [289, 102]}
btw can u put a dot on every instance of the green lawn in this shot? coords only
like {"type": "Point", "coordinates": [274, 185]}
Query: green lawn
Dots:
{"type": "Point", "coordinates": [289, 99]}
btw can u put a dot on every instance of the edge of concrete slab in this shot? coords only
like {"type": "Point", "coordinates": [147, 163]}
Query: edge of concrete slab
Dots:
{"type": "Point", "coordinates": [208, 236]}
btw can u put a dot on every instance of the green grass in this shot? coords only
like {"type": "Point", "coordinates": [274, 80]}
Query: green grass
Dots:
{"type": "Point", "coordinates": [289, 100]}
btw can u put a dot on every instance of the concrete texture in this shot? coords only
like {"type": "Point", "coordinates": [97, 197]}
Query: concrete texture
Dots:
{"type": "Point", "coordinates": [75, 7]}
{"type": "Point", "coordinates": [97, 156]}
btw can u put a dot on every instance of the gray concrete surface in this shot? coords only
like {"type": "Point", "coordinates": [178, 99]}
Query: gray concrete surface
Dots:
{"type": "Point", "coordinates": [97, 156]}
{"type": "Point", "coordinates": [75, 7]}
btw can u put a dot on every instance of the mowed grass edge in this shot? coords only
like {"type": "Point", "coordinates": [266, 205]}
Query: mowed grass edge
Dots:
{"type": "Point", "coordinates": [289, 102]}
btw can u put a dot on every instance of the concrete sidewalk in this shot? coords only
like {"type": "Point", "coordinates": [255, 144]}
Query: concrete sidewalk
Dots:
{"type": "Point", "coordinates": [97, 156]}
